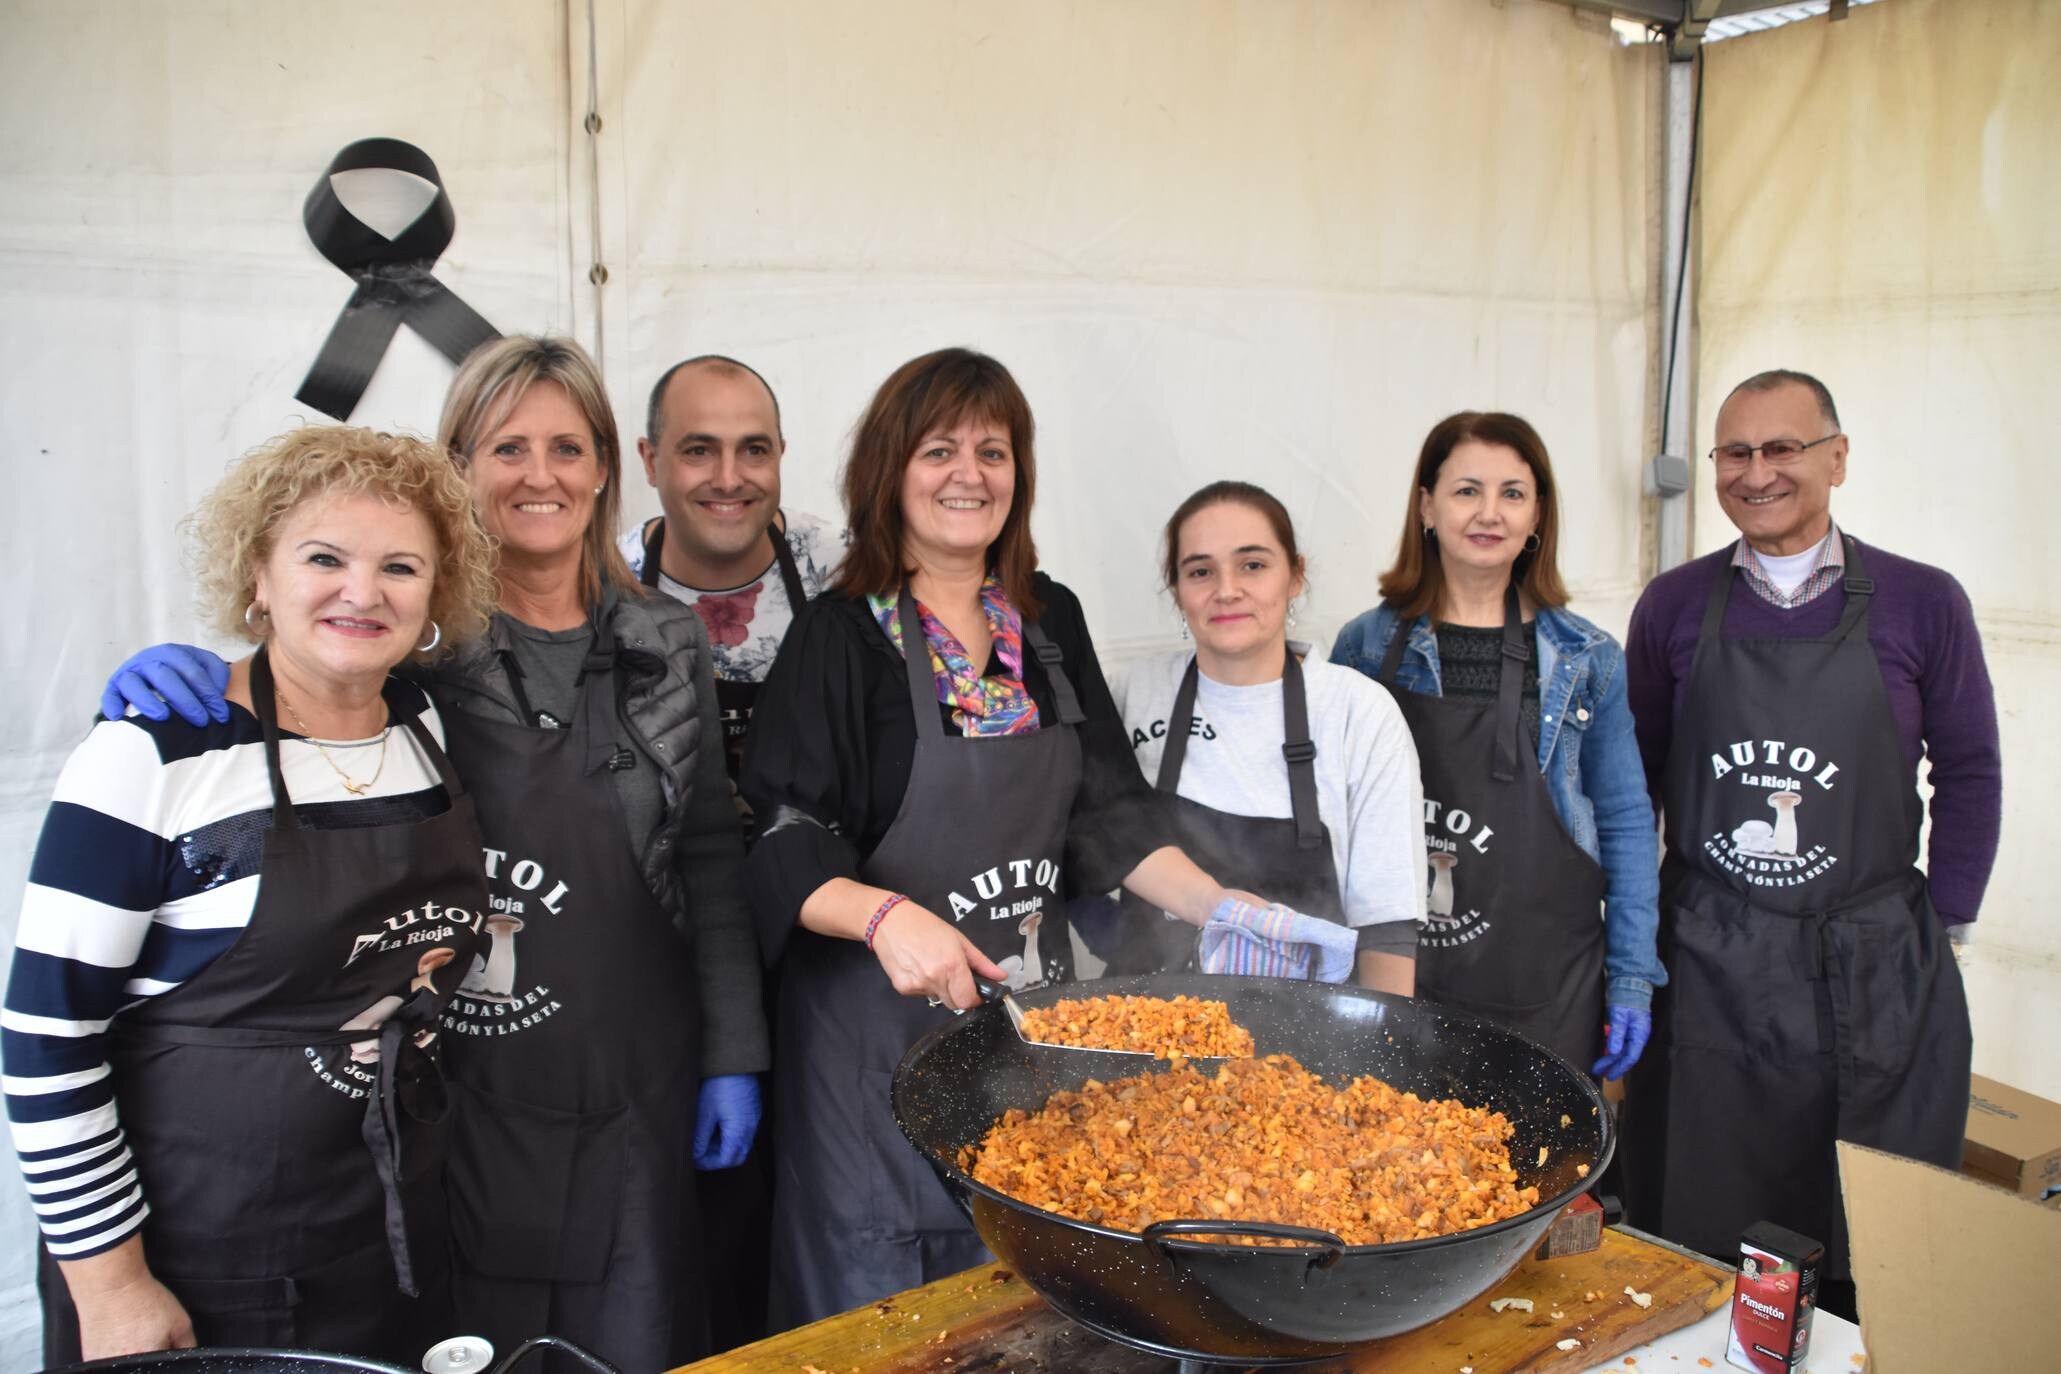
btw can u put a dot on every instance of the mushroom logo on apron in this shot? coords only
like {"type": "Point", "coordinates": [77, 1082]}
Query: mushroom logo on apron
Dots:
{"type": "Point", "coordinates": [491, 997]}
{"type": "Point", "coordinates": [1451, 836]}
{"type": "Point", "coordinates": [1768, 847]}
{"type": "Point", "coordinates": [1019, 898]}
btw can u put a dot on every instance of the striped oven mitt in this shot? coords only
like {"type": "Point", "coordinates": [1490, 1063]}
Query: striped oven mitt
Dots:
{"type": "Point", "coordinates": [1275, 942]}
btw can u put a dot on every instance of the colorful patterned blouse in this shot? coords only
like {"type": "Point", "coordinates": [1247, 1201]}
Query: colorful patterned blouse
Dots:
{"type": "Point", "coordinates": [980, 705]}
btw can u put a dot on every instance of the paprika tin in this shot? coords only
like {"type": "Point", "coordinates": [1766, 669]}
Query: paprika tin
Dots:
{"type": "Point", "coordinates": [1773, 1298]}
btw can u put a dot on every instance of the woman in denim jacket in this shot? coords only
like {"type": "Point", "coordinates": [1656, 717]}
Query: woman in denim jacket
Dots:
{"type": "Point", "coordinates": [1517, 861]}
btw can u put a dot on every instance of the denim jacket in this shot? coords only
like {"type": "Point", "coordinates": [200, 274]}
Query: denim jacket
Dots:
{"type": "Point", "coordinates": [1589, 759]}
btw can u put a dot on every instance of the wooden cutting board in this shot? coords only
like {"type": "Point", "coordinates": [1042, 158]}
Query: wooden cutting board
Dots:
{"type": "Point", "coordinates": [988, 1321]}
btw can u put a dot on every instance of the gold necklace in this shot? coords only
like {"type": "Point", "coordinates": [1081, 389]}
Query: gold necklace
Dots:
{"type": "Point", "coordinates": [351, 784]}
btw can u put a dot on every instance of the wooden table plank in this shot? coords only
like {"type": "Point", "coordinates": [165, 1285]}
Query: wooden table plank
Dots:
{"type": "Point", "coordinates": [988, 1321]}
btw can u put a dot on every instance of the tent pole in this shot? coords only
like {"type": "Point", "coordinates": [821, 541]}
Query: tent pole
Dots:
{"type": "Point", "coordinates": [1677, 295]}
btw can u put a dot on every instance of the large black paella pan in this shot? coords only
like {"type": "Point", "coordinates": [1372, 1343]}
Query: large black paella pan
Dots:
{"type": "Point", "coordinates": [1206, 1299]}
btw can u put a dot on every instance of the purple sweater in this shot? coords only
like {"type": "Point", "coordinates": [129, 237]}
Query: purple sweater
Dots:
{"type": "Point", "coordinates": [1923, 632]}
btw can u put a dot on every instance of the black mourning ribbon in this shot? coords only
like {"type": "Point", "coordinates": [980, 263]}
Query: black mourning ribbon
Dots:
{"type": "Point", "coordinates": [395, 285]}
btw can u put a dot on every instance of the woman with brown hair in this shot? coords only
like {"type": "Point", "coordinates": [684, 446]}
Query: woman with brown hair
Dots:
{"type": "Point", "coordinates": [606, 1041]}
{"type": "Point", "coordinates": [1543, 904]}
{"type": "Point", "coordinates": [1284, 773]}
{"type": "Point", "coordinates": [924, 816]}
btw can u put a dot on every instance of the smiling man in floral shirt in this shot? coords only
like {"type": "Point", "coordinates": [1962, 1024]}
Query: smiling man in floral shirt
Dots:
{"type": "Point", "coordinates": [712, 448]}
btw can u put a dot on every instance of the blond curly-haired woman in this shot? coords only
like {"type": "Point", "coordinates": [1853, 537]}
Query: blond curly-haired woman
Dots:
{"type": "Point", "coordinates": [233, 946]}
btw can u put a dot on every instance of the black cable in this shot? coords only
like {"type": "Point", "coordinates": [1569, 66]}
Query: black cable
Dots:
{"type": "Point", "coordinates": [1674, 333]}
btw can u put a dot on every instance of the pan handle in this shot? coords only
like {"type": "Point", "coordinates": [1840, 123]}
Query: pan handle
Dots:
{"type": "Point", "coordinates": [1331, 1248]}
{"type": "Point", "coordinates": [537, 1343]}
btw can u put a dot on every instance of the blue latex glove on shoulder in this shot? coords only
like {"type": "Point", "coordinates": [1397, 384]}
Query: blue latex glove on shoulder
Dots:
{"type": "Point", "coordinates": [727, 1119]}
{"type": "Point", "coordinates": [1625, 1040]}
{"type": "Point", "coordinates": [168, 678]}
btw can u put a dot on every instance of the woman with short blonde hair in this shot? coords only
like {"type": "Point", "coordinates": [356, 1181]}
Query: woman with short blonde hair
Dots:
{"type": "Point", "coordinates": [229, 947]}
{"type": "Point", "coordinates": [235, 525]}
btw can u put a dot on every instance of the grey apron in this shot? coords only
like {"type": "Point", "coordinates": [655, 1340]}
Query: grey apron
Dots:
{"type": "Point", "coordinates": [243, 1065]}
{"type": "Point", "coordinates": [1811, 994]}
{"type": "Point", "coordinates": [979, 840]}
{"type": "Point", "coordinates": [1516, 927]}
{"type": "Point", "coordinates": [573, 1054]}
{"type": "Point", "coordinates": [1287, 859]}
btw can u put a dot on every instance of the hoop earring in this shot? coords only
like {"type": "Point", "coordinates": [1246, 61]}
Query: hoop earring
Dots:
{"type": "Point", "coordinates": [1531, 542]}
{"type": "Point", "coordinates": [436, 637]}
{"type": "Point", "coordinates": [1430, 535]}
{"type": "Point", "coordinates": [254, 609]}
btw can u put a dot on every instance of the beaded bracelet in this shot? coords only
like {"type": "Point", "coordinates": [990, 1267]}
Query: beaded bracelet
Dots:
{"type": "Point", "coordinates": [880, 914]}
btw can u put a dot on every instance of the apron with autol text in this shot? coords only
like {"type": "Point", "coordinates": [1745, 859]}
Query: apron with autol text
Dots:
{"type": "Point", "coordinates": [1514, 927]}
{"type": "Point", "coordinates": [979, 840]}
{"type": "Point", "coordinates": [574, 1056]}
{"type": "Point", "coordinates": [251, 1093]}
{"type": "Point", "coordinates": [1811, 996]}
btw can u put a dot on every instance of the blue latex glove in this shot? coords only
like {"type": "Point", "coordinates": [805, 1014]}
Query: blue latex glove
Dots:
{"type": "Point", "coordinates": [1630, 1028]}
{"type": "Point", "coordinates": [165, 678]}
{"type": "Point", "coordinates": [726, 1120]}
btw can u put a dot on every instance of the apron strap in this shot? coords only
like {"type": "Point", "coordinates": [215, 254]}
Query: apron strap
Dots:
{"type": "Point", "coordinates": [654, 546]}
{"type": "Point", "coordinates": [1054, 663]}
{"type": "Point", "coordinates": [1510, 686]}
{"type": "Point", "coordinates": [923, 684]}
{"type": "Point", "coordinates": [916, 666]}
{"type": "Point", "coordinates": [1301, 753]}
{"type": "Point", "coordinates": [790, 572]}
{"type": "Point", "coordinates": [381, 1126]}
{"type": "Point", "coordinates": [1176, 751]}
{"type": "Point", "coordinates": [1393, 659]}
{"type": "Point", "coordinates": [1858, 585]}
{"type": "Point", "coordinates": [783, 558]}
{"type": "Point", "coordinates": [1714, 604]}
{"type": "Point", "coordinates": [1296, 747]}
{"type": "Point", "coordinates": [264, 698]}
{"type": "Point", "coordinates": [1860, 588]}
{"type": "Point", "coordinates": [426, 742]}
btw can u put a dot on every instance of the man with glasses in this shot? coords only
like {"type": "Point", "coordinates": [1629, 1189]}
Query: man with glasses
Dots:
{"type": "Point", "coordinates": [1785, 688]}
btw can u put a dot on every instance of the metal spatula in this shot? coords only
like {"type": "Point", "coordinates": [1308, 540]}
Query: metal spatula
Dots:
{"type": "Point", "coordinates": [992, 992]}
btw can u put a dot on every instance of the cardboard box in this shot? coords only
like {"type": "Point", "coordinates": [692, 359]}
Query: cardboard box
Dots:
{"type": "Point", "coordinates": [2014, 1138]}
{"type": "Point", "coordinates": [1951, 1273]}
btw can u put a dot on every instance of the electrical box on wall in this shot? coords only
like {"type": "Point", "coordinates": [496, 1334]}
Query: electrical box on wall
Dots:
{"type": "Point", "coordinates": [1667, 474]}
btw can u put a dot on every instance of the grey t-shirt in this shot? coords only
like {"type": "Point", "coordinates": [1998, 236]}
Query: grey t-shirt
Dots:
{"type": "Point", "coordinates": [550, 662]}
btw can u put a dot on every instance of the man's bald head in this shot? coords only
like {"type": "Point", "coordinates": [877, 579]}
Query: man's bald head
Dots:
{"type": "Point", "coordinates": [712, 448]}
{"type": "Point", "coordinates": [1775, 378]}
{"type": "Point", "coordinates": [707, 364]}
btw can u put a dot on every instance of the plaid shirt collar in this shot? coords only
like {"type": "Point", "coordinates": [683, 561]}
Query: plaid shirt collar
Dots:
{"type": "Point", "coordinates": [1827, 567]}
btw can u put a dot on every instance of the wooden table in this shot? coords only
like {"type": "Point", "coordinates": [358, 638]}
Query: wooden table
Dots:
{"type": "Point", "coordinates": [988, 1321]}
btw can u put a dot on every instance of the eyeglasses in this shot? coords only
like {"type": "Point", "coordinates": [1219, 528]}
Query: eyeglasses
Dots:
{"type": "Point", "coordinates": [1776, 451]}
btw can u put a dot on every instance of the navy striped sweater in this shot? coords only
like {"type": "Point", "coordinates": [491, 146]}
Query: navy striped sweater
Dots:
{"type": "Point", "coordinates": [146, 873]}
